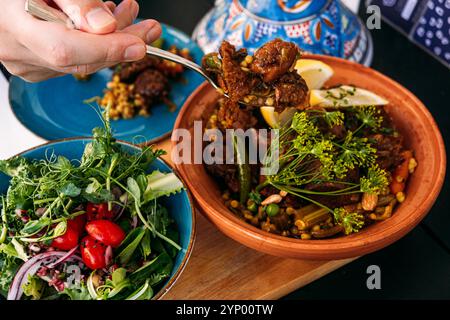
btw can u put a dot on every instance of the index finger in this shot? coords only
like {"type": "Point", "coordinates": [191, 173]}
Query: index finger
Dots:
{"type": "Point", "coordinates": [63, 48]}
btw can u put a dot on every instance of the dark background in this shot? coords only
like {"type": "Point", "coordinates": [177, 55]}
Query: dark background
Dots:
{"type": "Point", "coordinates": [417, 266]}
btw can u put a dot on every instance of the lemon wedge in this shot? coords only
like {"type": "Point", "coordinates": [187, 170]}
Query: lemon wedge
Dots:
{"type": "Point", "coordinates": [315, 72]}
{"type": "Point", "coordinates": [345, 96]}
{"type": "Point", "coordinates": [276, 120]}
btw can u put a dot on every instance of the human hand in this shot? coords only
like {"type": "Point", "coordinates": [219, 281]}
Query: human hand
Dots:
{"type": "Point", "coordinates": [36, 50]}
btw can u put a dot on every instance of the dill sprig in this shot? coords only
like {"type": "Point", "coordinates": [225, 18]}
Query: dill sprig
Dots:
{"type": "Point", "coordinates": [350, 221]}
{"type": "Point", "coordinates": [331, 118]}
{"type": "Point", "coordinates": [306, 155]}
{"type": "Point", "coordinates": [354, 152]}
{"type": "Point", "coordinates": [370, 116]}
{"type": "Point", "coordinates": [375, 181]}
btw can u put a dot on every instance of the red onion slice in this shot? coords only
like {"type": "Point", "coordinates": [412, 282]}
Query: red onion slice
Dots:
{"type": "Point", "coordinates": [69, 253]}
{"type": "Point", "coordinates": [134, 222]}
{"type": "Point", "coordinates": [108, 255]}
{"type": "Point", "coordinates": [31, 267]}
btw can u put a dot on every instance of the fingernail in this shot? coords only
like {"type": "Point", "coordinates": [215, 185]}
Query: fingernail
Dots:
{"type": "Point", "coordinates": [135, 10]}
{"type": "Point", "coordinates": [134, 52]}
{"type": "Point", "coordinates": [153, 34]}
{"type": "Point", "coordinates": [99, 18]}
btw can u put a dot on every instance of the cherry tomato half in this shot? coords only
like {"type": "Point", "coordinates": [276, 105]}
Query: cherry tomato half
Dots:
{"type": "Point", "coordinates": [93, 253]}
{"type": "Point", "coordinates": [98, 211]}
{"type": "Point", "coordinates": [67, 241]}
{"type": "Point", "coordinates": [107, 232]}
{"type": "Point", "coordinates": [73, 232]}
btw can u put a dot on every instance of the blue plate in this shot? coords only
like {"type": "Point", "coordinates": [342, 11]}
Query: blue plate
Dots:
{"type": "Point", "coordinates": [179, 205]}
{"type": "Point", "coordinates": [54, 109]}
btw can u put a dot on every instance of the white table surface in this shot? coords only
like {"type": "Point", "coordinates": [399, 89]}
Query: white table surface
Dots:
{"type": "Point", "coordinates": [15, 138]}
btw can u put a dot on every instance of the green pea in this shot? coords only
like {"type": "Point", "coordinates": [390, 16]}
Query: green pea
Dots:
{"type": "Point", "coordinates": [272, 209]}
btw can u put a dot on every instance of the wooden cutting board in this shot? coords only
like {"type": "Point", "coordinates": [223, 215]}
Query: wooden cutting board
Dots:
{"type": "Point", "coordinates": [220, 268]}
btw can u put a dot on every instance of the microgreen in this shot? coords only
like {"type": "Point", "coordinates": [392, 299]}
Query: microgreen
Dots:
{"type": "Point", "coordinates": [44, 194]}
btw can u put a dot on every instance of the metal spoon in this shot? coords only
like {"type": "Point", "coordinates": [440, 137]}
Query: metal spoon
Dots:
{"type": "Point", "coordinates": [40, 9]}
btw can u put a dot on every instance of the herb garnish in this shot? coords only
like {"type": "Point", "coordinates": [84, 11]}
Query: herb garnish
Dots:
{"type": "Point", "coordinates": [307, 155]}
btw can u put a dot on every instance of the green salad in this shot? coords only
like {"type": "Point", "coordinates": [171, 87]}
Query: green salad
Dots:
{"type": "Point", "coordinates": [87, 229]}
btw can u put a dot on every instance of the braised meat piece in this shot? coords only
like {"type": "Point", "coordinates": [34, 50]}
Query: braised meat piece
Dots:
{"type": "Point", "coordinates": [128, 72]}
{"type": "Point", "coordinates": [274, 59]}
{"type": "Point", "coordinates": [389, 149]}
{"type": "Point", "coordinates": [255, 78]}
{"type": "Point", "coordinates": [236, 81]}
{"type": "Point", "coordinates": [152, 86]}
{"type": "Point", "coordinates": [291, 91]}
{"type": "Point", "coordinates": [281, 221]}
{"type": "Point", "coordinates": [232, 116]}
{"type": "Point", "coordinates": [335, 201]}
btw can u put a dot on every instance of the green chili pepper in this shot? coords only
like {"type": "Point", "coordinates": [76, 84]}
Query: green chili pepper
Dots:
{"type": "Point", "coordinates": [244, 172]}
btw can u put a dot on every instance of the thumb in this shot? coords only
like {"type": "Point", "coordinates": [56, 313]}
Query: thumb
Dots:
{"type": "Point", "coordinates": [92, 16]}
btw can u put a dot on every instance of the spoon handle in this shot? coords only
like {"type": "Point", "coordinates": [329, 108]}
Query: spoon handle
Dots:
{"type": "Point", "coordinates": [40, 9]}
{"type": "Point", "coordinates": [163, 54]}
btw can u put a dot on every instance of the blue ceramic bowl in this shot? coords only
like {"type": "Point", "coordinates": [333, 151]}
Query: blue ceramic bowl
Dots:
{"type": "Point", "coordinates": [54, 109]}
{"type": "Point", "coordinates": [180, 205]}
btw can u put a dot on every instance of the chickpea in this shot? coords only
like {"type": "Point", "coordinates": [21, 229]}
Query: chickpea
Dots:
{"type": "Point", "coordinates": [234, 204]}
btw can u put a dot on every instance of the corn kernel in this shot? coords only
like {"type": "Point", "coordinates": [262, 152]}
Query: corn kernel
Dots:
{"type": "Point", "coordinates": [300, 224]}
{"type": "Point", "coordinates": [400, 197]}
{"type": "Point", "coordinates": [305, 236]}
{"type": "Point", "coordinates": [234, 204]}
{"type": "Point", "coordinates": [248, 216]}
{"type": "Point", "coordinates": [412, 165]}
{"type": "Point", "coordinates": [270, 101]}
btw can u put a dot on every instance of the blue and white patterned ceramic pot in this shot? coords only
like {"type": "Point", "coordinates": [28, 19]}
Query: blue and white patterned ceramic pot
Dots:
{"type": "Point", "coordinates": [317, 26]}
